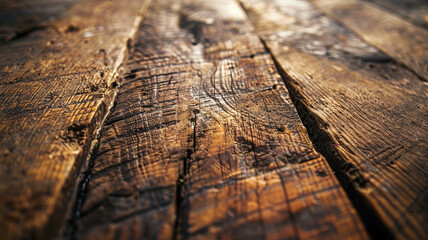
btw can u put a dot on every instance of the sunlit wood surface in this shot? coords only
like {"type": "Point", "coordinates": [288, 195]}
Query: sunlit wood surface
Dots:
{"type": "Point", "coordinates": [200, 119]}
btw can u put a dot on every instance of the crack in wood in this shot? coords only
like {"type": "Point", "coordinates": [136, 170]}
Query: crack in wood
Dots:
{"type": "Point", "coordinates": [235, 138]}
{"type": "Point", "coordinates": [180, 215]}
{"type": "Point", "coordinates": [347, 173]}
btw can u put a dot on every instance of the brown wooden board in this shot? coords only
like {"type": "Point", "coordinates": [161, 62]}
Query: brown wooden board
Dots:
{"type": "Point", "coordinates": [397, 38]}
{"type": "Point", "coordinates": [55, 87]}
{"type": "Point", "coordinates": [204, 142]}
{"type": "Point", "coordinates": [367, 114]}
{"type": "Point", "coordinates": [415, 11]}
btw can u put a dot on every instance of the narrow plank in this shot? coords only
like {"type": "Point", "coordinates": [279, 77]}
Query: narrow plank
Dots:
{"type": "Point", "coordinates": [204, 142]}
{"type": "Point", "coordinates": [399, 39]}
{"type": "Point", "coordinates": [20, 17]}
{"type": "Point", "coordinates": [366, 113]}
{"type": "Point", "coordinates": [56, 85]}
{"type": "Point", "coordinates": [414, 10]}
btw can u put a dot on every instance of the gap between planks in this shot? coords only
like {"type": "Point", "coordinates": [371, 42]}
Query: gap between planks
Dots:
{"type": "Point", "coordinates": [56, 90]}
{"type": "Point", "coordinates": [352, 98]}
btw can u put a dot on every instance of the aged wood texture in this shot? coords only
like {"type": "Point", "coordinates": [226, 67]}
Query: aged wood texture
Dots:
{"type": "Point", "coordinates": [414, 10]}
{"type": "Point", "coordinates": [204, 142]}
{"type": "Point", "coordinates": [55, 87]}
{"type": "Point", "coordinates": [367, 114]}
{"type": "Point", "coordinates": [21, 17]}
{"type": "Point", "coordinates": [406, 43]}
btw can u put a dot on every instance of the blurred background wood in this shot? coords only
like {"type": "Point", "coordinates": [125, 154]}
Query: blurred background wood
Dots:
{"type": "Point", "coordinates": [415, 11]}
{"type": "Point", "coordinates": [19, 18]}
{"type": "Point", "coordinates": [397, 38]}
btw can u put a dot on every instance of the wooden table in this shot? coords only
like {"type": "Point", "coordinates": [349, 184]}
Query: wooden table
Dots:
{"type": "Point", "coordinates": [226, 119]}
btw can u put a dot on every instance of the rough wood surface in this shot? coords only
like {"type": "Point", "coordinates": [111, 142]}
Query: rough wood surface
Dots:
{"type": "Point", "coordinates": [406, 43]}
{"type": "Point", "coordinates": [55, 87]}
{"type": "Point", "coordinates": [367, 114]}
{"type": "Point", "coordinates": [414, 10]}
{"type": "Point", "coordinates": [204, 142]}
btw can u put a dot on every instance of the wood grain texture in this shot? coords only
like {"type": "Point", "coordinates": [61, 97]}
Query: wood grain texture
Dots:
{"type": "Point", "coordinates": [55, 87]}
{"type": "Point", "coordinates": [415, 11]}
{"type": "Point", "coordinates": [399, 39]}
{"type": "Point", "coordinates": [367, 114]}
{"type": "Point", "coordinates": [204, 142]}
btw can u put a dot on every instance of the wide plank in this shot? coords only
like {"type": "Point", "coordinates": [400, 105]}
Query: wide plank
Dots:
{"type": "Point", "coordinates": [366, 113]}
{"type": "Point", "coordinates": [56, 85]}
{"type": "Point", "coordinates": [397, 38]}
{"type": "Point", "coordinates": [205, 143]}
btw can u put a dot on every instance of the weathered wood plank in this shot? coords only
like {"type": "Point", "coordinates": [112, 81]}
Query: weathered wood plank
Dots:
{"type": "Point", "coordinates": [406, 43]}
{"type": "Point", "coordinates": [367, 114]}
{"type": "Point", "coordinates": [56, 85]}
{"type": "Point", "coordinates": [204, 142]}
{"type": "Point", "coordinates": [414, 10]}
